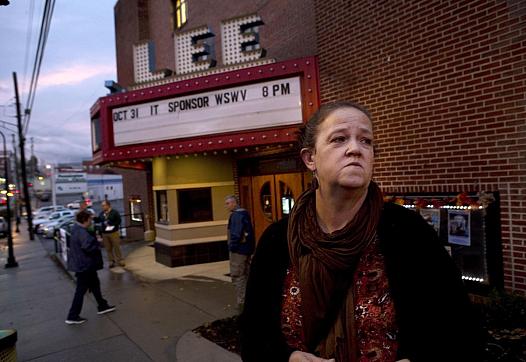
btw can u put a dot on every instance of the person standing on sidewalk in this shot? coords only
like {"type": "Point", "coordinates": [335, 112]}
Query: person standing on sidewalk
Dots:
{"type": "Point", "coordinates": [85, 258]}
{"type": "Point", "coordinates": [111, 222]}
{"type": "Point", "coordinates": [240, 245]}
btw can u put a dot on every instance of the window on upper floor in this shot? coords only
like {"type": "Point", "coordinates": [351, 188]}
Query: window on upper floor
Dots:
{"type": "Point", "coordinates": [181, 13]}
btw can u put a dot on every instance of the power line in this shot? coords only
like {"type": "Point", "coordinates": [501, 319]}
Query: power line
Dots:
{"type": "Point", "coordinates": [42, 40]}
{"type": "Point", "coordinates": [28, 40]}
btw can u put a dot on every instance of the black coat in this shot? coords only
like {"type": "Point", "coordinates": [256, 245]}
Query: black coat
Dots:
{"type": "Point", "coordinates": [240, 233]}
{"type": "Point", "coordinates": [434, 316]}
{"type": "Point", "coordinates": [111, 219]}
{"type": "Point", "coordinates": [84, 251]}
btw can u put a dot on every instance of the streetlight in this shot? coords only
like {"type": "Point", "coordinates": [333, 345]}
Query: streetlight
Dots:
{"type": "Point", "coordinates": [53, 193]}
{"type": "Point", "coordinates": [11, 261]}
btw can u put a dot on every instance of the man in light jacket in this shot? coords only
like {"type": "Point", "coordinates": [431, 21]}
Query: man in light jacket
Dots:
{"type": "Point", "coordinates": [85, 258]}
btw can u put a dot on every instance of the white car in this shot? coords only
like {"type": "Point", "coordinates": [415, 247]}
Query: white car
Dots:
{"type": "Point", "coordinates": [49, 228]}
{"type": "Point", "coordinates": [46, 211]}
{"type": "Point", "coordinates": [52, 217]}
{"type": "Point", "coordinates": [74, 205]}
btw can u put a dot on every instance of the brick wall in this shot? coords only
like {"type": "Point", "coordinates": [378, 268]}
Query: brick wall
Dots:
{"type": "Point", "coordinates": [126, 34]}
{"type": "Point", "coordinates": [288, 32]}
{"type": "Point", "coordinates": [446, 82]}
{"type": "Point", "coordinates": [135, 183]}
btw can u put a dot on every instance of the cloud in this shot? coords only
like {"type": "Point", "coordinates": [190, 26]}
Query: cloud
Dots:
{"type": "Point", "coordinates": [52, 148]}
{"type": "Point", "coordinates": [74, 74]}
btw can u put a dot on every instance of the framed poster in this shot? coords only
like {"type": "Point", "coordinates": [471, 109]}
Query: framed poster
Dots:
{"type": "Point", "coordinates": [458, 226]}
{"type": "Point", "coordinates": [432, 216]}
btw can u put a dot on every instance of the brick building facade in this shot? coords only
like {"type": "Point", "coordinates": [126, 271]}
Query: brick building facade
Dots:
{"type": "Point", "coordinates": [213, 94]}
{"type": "Point", "coordinates": [288, 32]}
{"type": "Point", "coordinates": [446, 82]}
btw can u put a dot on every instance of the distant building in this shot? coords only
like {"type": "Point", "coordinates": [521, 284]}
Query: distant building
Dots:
{"type": "Point", "coordinates": [102, 187]}
{"type": "Point", "coordinates": [126, 189]}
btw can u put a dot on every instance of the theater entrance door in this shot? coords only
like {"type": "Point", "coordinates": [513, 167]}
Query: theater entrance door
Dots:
{"type": "Point", "coordinates": [269, 197]}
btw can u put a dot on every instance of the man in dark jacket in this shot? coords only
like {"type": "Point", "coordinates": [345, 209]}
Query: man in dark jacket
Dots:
{"type": "Point", "coordinates": [111, 222]}
{"type": "Point", "coordinates": [240, 245]}
{"type": "Point", "coordinates": [85, 258]}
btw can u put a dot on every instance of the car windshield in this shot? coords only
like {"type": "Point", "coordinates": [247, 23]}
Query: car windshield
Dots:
{"type": "Point", "coordinates": [54, 216]}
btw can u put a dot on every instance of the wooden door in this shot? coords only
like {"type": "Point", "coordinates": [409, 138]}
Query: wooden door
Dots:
{"type": "Point", "coordinates": [272, 197]}
{"type": "Point", "coordinates": [245, 193]}
{"type": "Point", "coordinates": [264, 203]}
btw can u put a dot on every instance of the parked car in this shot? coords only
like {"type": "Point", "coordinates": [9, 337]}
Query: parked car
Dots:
{"type": "Point", "coordinates": [74, 205]}
{"type": "Point", "coordinates": [3, 227]}
{"type": "Point", "coordinates": [50, 228]}
{"type": "Point", "coordinates": [52, 217]}
{"type": "Point", "coordinates": [46, 211]}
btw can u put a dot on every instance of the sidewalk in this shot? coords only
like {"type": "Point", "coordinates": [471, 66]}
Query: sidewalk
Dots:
{"type": "Point", "coordinates": [157, 307]}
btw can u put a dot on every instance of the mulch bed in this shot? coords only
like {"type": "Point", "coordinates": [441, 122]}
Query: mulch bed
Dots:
{"type": "Point", "coordinates": [504, 345]}
{"type": "Point", "coordinates": [224, 332]}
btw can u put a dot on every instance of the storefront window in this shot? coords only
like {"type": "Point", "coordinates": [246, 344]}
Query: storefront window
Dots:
{"type": "Point", "coordinates": [136, 209]}
{"type": "Point", "coordinates": [468, 227]}
{"type": "Point", "coordinates": [161, 203]}
{"type": "Point", "coordinates": [195, 205]}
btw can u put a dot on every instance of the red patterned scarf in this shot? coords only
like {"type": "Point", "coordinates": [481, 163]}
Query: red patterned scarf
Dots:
{"type": "Point", "coordinates": [325, 264]}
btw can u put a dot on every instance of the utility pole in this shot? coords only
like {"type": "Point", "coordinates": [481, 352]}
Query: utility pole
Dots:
{"type": "Point", "coordinates": [51, 169]}
{"type": "Point", "coordinates": [11, 261]}
{"type": "Point", "coordinates": [27, 199]}
{"type": "Point", "coordinates": [17, 183]}
{"type": "Point", "coordinates": [32, 160]}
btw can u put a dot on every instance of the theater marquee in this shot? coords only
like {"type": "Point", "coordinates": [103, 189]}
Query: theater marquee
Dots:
{"type": "Point", "coordinates": [259, 105]}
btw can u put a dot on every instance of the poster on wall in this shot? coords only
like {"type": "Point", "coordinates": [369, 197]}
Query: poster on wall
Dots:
{"type": "Point", "coordinates": [458, 227]}
{"type": "Point", "coordinates": [432, 217]}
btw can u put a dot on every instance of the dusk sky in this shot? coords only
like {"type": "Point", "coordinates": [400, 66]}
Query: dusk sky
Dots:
{"type": "Point", "coordinates": [78, 58]}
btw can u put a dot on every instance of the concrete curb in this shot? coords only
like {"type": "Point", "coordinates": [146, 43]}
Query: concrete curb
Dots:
{"type": "Point", "coordinates": [194, 348]}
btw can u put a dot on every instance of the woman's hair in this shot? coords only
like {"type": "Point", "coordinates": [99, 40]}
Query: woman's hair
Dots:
{"type": "Point", "coordinates": [309, 131]}
{"type": "Point", "coordinates": [82, 216]}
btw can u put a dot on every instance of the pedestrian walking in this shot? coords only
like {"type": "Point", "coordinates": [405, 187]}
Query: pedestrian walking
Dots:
{"type": "Point", "coordinates": [111, 222]}
{"type": "Point", "coordinates": [240, 245]}
{"type": "Point", "coordinates": [85, 258]}
{"type": "Point", "coordinates": [348, 277]}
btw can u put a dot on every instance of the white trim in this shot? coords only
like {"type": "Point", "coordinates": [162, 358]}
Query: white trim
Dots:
{"type": "Point", "coordinates": [209, 239]}
{"type": "Point", "coordinates": [193, 225]}
{"type": "Point", "coordinates": [193, 186]}
{"type": "Point", "coordinates": [211, 71]}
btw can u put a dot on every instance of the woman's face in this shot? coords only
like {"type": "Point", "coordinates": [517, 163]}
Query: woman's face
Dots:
{"type": "Point", "coordinates": [343, 154]}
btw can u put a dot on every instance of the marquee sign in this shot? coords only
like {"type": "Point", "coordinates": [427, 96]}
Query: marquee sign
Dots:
{"type": "Point", "coordinates": [267, 104]}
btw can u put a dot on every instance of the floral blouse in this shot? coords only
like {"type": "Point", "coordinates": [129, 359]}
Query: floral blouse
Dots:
{"type": "Point", "coordinates": [374, 310]}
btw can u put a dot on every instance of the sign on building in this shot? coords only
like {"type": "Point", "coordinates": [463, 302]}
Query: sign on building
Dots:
{"type": "Point", "coordinates": [267, 104]}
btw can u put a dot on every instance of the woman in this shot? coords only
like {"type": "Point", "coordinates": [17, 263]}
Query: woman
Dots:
{"type": "Point", "coordinates": [348, 277]}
